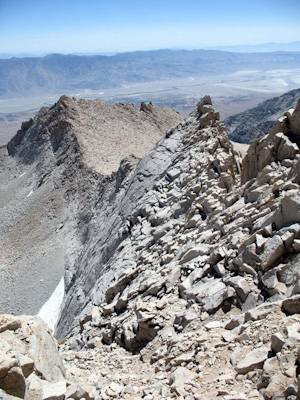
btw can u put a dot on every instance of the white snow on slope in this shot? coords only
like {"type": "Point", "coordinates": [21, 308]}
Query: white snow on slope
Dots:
{"type": "Point", "coordinates": [51, 309]}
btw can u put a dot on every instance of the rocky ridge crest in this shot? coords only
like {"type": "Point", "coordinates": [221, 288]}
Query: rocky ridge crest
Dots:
{"type": "Point", "coordinates": [57, 164]}
{"type": "Point", "coordinates": [190, 289]}
{"type": "Point", "coordinates": [205, 278]}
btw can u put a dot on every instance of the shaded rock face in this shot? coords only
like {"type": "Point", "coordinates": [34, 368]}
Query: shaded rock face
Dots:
{"type": "Point", "coordinates": [251, 124]}
{"type": "Point", "coordinates": [50, 181]}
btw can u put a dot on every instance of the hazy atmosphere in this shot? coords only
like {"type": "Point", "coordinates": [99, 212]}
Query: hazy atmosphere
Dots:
{"type": "Point", "coordinates": [35, 27]}
{"type": "Point", "coordinates": [149, 200]}
{"type": "Point", "coordinates": [98, 30]}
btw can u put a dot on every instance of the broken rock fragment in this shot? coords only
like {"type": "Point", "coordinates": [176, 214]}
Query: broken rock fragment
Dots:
{"type": "Point", "coordinates": [253, 360]}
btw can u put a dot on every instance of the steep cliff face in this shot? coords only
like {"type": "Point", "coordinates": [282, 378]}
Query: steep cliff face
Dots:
{"type": "Point", "coordinates": [54, 170]}
{"type": "Point", "coordinates": [35, 214]}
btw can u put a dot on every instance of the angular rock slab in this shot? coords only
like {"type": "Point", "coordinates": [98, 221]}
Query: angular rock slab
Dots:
{"type": "Point", "coordinates": [179, 377]}
{"type": "Point", "coordinates": [27, 350]}
{"type": "Point", "coordinates": [273, 250]}
{"type": "Point", "coordinates": [210, 294]}
{"type": "Point", "coordinates": [292, 305]}
{"type": "Point", "coordinates": [253, 360]}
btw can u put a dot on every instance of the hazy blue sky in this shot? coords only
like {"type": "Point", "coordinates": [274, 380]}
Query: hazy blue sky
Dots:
{"type": "Point", "coordinates": [42, 26]}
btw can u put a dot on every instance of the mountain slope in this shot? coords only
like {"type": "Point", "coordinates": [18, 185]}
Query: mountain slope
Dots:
{"type": "Point", "coordinates": [256, 122]}
{"type": "Point", "coordinates": [184, 282]}
{"type": "Point", "coordinates": [55, 163]}
{"type": "Point", "coordinates": [188, 253]}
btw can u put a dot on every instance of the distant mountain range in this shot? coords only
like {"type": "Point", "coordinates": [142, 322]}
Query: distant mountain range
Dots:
{"type": "Point", "coordinates": [251, 124]}
{"type": "Point", "coordinates": [263, 47]}
{"type": "Point", "coordinates": [59, 73]}
{"type": "Point", "coordinates": [241, 48]}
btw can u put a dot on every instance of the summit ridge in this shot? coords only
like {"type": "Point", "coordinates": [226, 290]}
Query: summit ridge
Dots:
{"type": "Point", "coordinates": [182, 280]}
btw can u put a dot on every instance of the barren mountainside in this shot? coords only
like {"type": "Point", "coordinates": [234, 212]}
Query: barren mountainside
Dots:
{"type": "Point", "coordinates": [181, 270]}
{"type": "Point", "coordinates": [251, 124]}
{"type": "Point", "coordinates": [55, 163]}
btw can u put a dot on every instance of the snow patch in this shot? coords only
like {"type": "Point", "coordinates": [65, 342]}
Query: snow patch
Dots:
{"type": "Point", "coordinates": [49, 312]}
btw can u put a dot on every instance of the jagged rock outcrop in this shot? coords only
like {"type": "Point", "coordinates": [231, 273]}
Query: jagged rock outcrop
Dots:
{"type": "Point", "coordinates": [251, 124]}
{"type": "Point", "coordinates": [139, 199]}
{"type": "Point", "coordinates": [29, 355]}
{"type": "Point", "coordinates": [199, 262]}
{"type": "Point", "coordinates": [280, 145]}
{"type": "Point", "coordinates": [30, 365]}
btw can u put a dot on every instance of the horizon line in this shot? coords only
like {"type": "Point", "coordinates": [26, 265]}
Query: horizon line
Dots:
{"type": "Point", "coordinates": [7, 55]}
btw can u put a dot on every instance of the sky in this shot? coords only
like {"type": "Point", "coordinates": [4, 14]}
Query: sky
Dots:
{"type": "Point", "coordinates": [93, 26]}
